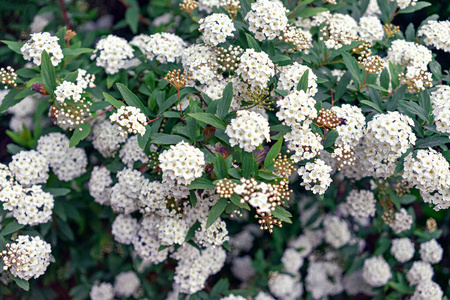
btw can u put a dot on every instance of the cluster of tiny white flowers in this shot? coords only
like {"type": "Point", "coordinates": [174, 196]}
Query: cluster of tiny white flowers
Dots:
{"type": "Point", "coordinates": [441, 108]}
{"type": "Point", "coordinates": [131, 152]}
{"type": "Point", "coordinates": [402, 221]}
{"type": "Point", "coordinates": [233, 297]}
{"type": "Point", "coordinates": [216, 28]}
{"type": "Point", "coordinates": [34, 256]}
{"type": "Point", "coordinates": [152, 196]}
{"type": "Point", "coordinates": [285, 286]}
{"type": "Point", "coordinates": [130, 119]}
{"type": "Point", "coordinates": [33, 48]}
{"type": "Point", "coordinates": [387, 137]}
{"type": "Point", "coordinates": [315, 176]}
{"type": "Point", "coordinates": [339, 30]}
{"type": "Point", "coordinates": [107, 138]}
{"type": "Point", "coordinates": [165, 47]}
{"type": "Point", "coordinates": [248, 130]}
{"type": "Point", "coordinates": [351, 131]}
{"type": "Point", "coordinates": [102, 291]}
{"type": "Point", "coordinates": [372, 9]}
{"type": "Point", "coordinates": [172, 230]}
{"type": "Point", "coordinates": [140, 41]}
{"type": "Point", "coordinates": [361, 204]}
{"type": "Point", "coordinates": [207, 5]}
{"type": "Point", "coordinates": [256, 68]}
{"type": "Point", "coordinates": [124, 228]}
{"type": "Point", "coordinates": [290, 76]}
{"type": "Point", "coordinates": [267, 19]}
{"type": "Point", "coordinates": [431, 252]}
{"type": "Point", "coordinates": [337, 232]}
{"type": "Point", "coordinates": [370, 29]}
{"type": "Point", "coordinates": [402, 4]}
{"type": "Point", "coordinates": [214, 235]}
{"type": "Point", "coordinates": [427, 290]}
{"type": "Point", "coordinates": [126, 284]}
{"type": "Point", "coordinates": [376, 271]}
{"type": "Point", "coordinates": [213, 89]}
{"type": "Point", "coordinates": [112, 53]}
{"type": "Point", "coordinates": [85, 80]}
{"type": "Point", "coordinates": [354, 284]}
{"type": "Point", "coordinates": [29, 167]}
{"type": "Point", "coordinates": [22, 112]}
{"type": "Point", "coordinates": [303, 142]}
{"type": "Point", "coordinates": [406, 54]}
{"type": "Point", "coordinates": [182, 163]}
{"type": "Point", "coordinates": [437, 34]}
{"type": "Point", "coordinates": [35, 208]}
{"type": "Point", "coordinates": [402, 249]}
{"type": "Point", "coordinates": [68, 91]}
{"type": "Point", "coordinates": [199, 60]}
{"type": "Point", "coordinates": [420, 271]}
{"type": "Point", "coordinates": [99, 184]}
{"type": "Point", "coordinates": [324, 279]}
{"type": "Point", "coordinates": [297, 107]}
{"type": "Point", "coordinates": [292, 261]}
{"type": "Point", "coordinates": [146, 242]}
{"type": "Point", "coordinates": [125, 193]}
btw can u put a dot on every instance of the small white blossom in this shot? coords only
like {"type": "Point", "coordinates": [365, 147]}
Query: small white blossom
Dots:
{"type": "Point", "coordinates": [216, 28]}
{"type": "Point", "coordinates": [33, 48]}
{"type": "Point", "coordinates": [376, 271]}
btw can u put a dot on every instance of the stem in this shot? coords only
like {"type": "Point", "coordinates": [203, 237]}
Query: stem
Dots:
{"type": "Point", "coordinates": [203, 145]}
{"type": "Point", "coordinates": [154, 119]}
{"type": "Point", "coordinates": [64, 13]}
{"type": "Point", "coordinates": [364, 83]}
{"type": "Point", "coordinates": [296, 7]}
{"type": "Point", "coordinates": [179, 101]}
{"type": "Point", "coordinates": [192, 18]}
{"type": "Point", "coordinates": [102, 112]}
{"type": "Point", "coordinates": [394, 14]}
{"type": "Point", "coordinates": [332, 97]}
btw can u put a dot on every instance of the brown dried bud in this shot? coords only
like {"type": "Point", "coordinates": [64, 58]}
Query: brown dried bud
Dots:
{"type": "Point", "coordinates": [69, 35]}
{"type": "Point", "coordinates": [223, 151]}
{"type": "Point", "coordinates": [39, 87]}
{"type": "Point", "coordinates": [208, 133]}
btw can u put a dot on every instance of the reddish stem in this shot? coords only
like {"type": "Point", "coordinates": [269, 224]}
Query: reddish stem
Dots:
{"type": "Point", "coordinates": [64, 12]}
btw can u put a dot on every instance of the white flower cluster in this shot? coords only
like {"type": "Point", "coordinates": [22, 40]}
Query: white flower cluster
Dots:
{"type": "Point", "coordinates": [411, 54]}
{"type": "Point", "coordinates": [172, 230]}
{"type": "Point", "coordinates": [140, 41]}
{"type": "Point", "coordinates": [130, 119]}
{"type": "Point", "coordinates": [153, 196]}
{"type": "Point", "coordinates": [315, 176]}
{"type": "Point", "coordinates": [402, 4]}
{"type": "Point", "coordinates": [112, 53]}
{"type": "Point", "coordinates": [267, 19]}
{"type": "Point", "coordinates": [248, 130]}
{"type": "Point", "coordinates": [107, 138]}
{"type": "Point", "coordinates": [33, 255]}
{"type": "Point", "coordinates": [165, 47]}
{"type": "Point", "coordinates": [297, 107]}
{"type": "Point", "coordinates": [68, 91]}
{"type": "Point", "coordinates": [402, 249]}
{"type": "Point", "coordinates": [441, 108]}
{"type": "Point", "coordinates": [376, 271]}
{"type": "Point", "coordinates": [256, 68]}
{"type": "Point", "coordinates": [361, 204]}
{"type": "Point", "coordinates": [372, 9]}
{"type": "Point", "coordinates": [131, 152]}
{"type": "Point", "coordinates": [292, 261]}
{"type": "Point", "coordinates": [303, 142]}
{"type": "Point", "coordinates": [29, 168]}
{"type": "Point", "coordinates": [85, 80]}
{"type": "Point", "coordinates": [402, 221]}
{"type": "Point", "coordinates": [427, 290]}
{"type": "Point", "coordinates": [182, 163]}
{"type": "Point", "coordinates": [337, 232]}
{"type": "Point", "coordinates": [233, 297]}
{"type": "Point", "coordinates": [387, 137]}
{"type": "Point", "coordinates": [125, 193]}
{"type": "Point", "coordinates": [290, 76]}
{"type": "Point", "coordinates": [437, 34]}
{"type": "Point", "coordinates": [420, 271]}
{"type": "Point", "coordinates": [339, 30]}
{"type": "Point", "coordinates": [124, 228]}
{"type": "Point", "coordinates": [370, 29]}
{"type": "Point", "coordinates": [126, 284]}
{"type": "Point", "coordinates": [324, 279]}
{"type": "Point", "coordinates": [146, 242]}
{"type": "Point", "coordinates": [102, 291]}
{"type": "Point", "coordinates": [352, 129]}
{"type": "Point", "coordinates": [199, 60]}
{"type": "Point", "coordinates": [35, 208]}
{"type": "Point", "coordinates": [216, 28]}
{"type": "Point", "coordinates": [213, 89]}
{"type": "Point", "coordinates": [214, 235]}
{"type": "Point", "coordinates": [67, 163]}
{"type": "Point", "coordinates": [99, 184]}
{"type": "Point", "coordinates": [431, 252]}
{"type": "Point", "coordinates": [22, 112]}
{"type": "Point", "coordinates": [429, 172]}
{"type": "Point", "coordinates": [285, 286]}
{"type": "Point", "coordinates": [33, 48]}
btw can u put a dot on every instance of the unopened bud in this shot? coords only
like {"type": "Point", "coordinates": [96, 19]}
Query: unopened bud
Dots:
{"type": "Point", "coordinates": [208, 133]}
{"type": "Point", "coordinates": [69, 35]}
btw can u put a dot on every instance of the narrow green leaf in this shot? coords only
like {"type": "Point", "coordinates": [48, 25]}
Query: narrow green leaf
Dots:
{"type": "Point", "coordinates": [22, 283]}
{"type": "Point", "coordinates": [48, 73]}
{"type": "Point", "coordinates": [224, 105]}
{"type": "Point", "coordinates": [282, 214]}
{"type": "Point", "coordinates": [191, 232]}
{"type": "Point", "coordinates": [14, 46]}
{"type": "Point", "coordinates": [9, 101]}
{"type": "Point", "coordinates": [330, 138]}
{"type": "Point", "coordinates": [352, 65]}
{"type": "Point", "coordinates": [303, 82]}
{"type": "Point", "coordinates": [111, 79]}
{"type": "Point", "coordinates": [249, 165]}
{"type": "Point", "coordinates": [273, 153]}
{"type": "Point", "coordinates": [202, 184]}
{"type": "Point", "coordinates": [412, 8]}
{"type": "Point", "coordinates": [130, 98]}
{"type": "Point", "coordinates": [209, 119]}
{"type": "Point", "coordinates": [433, 141]}
{"type": "Point", "coordinates": [252, 43]}
{"type": "Point", "coordinates": [113, 101]}
{"type": "Point", "coordinates": [341, 87]}
{"type": "Point", "coordinates": [216, 211]}
{"type": "Point", "coordinates": [11, 228]}
{"type": "Point", "coordinates": [385, 79]}
{"type": "Point", "coordinates": [132, 18]}
{"type": "Point", "coordinates": [143, 139]}
{"type": "Point", "coordinates": [166, 139]}
{"type": "Point", "coordinates": [310, 11]}
{"type": "Point", "coordinates": [79, 134]}
{"type": "Point", "coordinates": [371, 104]}
{"type": "Point", "coordinates": [76, 51]}
{"type": "Point", "coordinates": [220, 166]}
{"type": "Point", "coordinates": [56, 192]}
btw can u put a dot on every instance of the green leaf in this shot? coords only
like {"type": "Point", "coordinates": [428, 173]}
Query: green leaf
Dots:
{"type": "Point", "coordinates": [341, 87]}
{"type": "Point", "coordinates": [191, 232]}
{"type": "Point", "coordinates": [330, 138]}
{"type": "Point", "coordinates": [72, 76]}
{"type": "Point", "coordinates": [210, 119]}
{"type": "Point", "coordinates": [433, 141]}
{"type": "Point", "coordinates": [76, 51]}
{"type": "Point", "coordinates": [303, 82]}
{"type": "Point", "coordinates": [224, 105]}
{"type": "Point", "coordinates": [130, 98]}
{"type": "Point", "coordinates": [352, 65]}
{"type": "Point", "coordinates": [280, 58]}
{"type": "Point", "coordinates": [14, 46]}
{"type": "Point", "coordinates": [371, 104]}
{"type": "Point", "coordinates": [113, 101]}
{"type": "Point", "coordinates": [236, 200]}
{"type": "Point", "coordinates": [166, 139]}
{"type": "Point", "coordinates": [394, 76]}
{"type": "Point", "coordinates": [220, 288]}
{"type": "Point", "coordinates": [56, 192]}
{"type": "Point", "coordinates": [216, 211]}
{"type": "Point", "coordinates": [413, 108]}
{"type": "Point", "coordinates": [11, 227]}
{"type": "Point", "coordinates": [384, 78]}
{"type": "Point", "coordinates": [9, 101]}
{"type": "Point", "coordinates": [143, 139]}
{"type": "Point", "coordinates": [202, 184]}
{"type": "Point", "coordinates": [273, 153]}
{"type": "Point", "coordinates": [100, 105]}
{"type": "Point", "coordinates": [412, 8]}
{"type": "Point", "coordinates": [48, 73]}
{"type": "Point", "coordinates": [132, 18]}
{"type": "Point", "coordinates": [220, 166]}
{"type": "Point", "coordinates": [310, 11]}
{"type": "Point", "coordinates": [22, 283]}
{"type": "Point", "coordinates": [111, 79]}
{"type": "Point", "coordinates": [79, 134]}
{"type": "Point", "coordinates": [252, 43]}
{"type": "Point", "coordinates": [65, 230]}
{"type": "Point", "coordinates": [382, 245]}
{"type": "Point", "coordinates": [167, 104]}
{"type": "Point", "coordinates": [249, 165]}
{"type": "Point", "coordinates": [282, 214]}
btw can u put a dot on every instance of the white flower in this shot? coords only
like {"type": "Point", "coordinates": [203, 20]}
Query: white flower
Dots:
{"type": "Point", "coordinates": [370, 29]}
{"type": "Point", "coordinates": [402, 249]}
{"type": "Point", "coordinates": [256, 68]}
{"type": "Point", "coordinates": [267, 19]}
{"type": "Point", "coordinates": [402, 221]}
{"type": "Point", "coordinates": [29, 167]}
{"type": "Point", "coordinates": [165, 47]}
{"type": "Point", "coordinates": [431, 252]}
{"type": "Point", "coordinates": [124, 229]}
{"type": "Point", "coordinates": [102, 291]}
{"type": "Point", "coordinates": [130, 120]}
{"type": "Point", "coordinates": [285, 287]}
{"type": "Point", "coordinates": [216, 28]}
{"type": "Point", "coordinates": [126, 284]}
{"type": "Point", "coordinates": [33, 48]}
{"type": "Point", "coordinates": [406, 54]}
{"type": "Point", "coordinates": [420, 271]}
{"type": "Point", "coordinates": [427, 290]}
{"type": "Point", "coordinates": [361, 204]}
{"type": "Point", "coordinates": [441, 108]}
{"type": "Point", "coordinates": [337, 232]}
{"type": "Point", "coordinates": [112, 53]}
{"type": "Point", "coordinates": [376, 271]}
{"type": "Point", "coordinates": [315, 176]}
{"type": "Point", "coordinates": [437, 34]}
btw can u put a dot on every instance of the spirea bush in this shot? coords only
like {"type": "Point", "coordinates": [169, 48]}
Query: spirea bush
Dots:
{"type": "Point", "coordinates": [224, 149]}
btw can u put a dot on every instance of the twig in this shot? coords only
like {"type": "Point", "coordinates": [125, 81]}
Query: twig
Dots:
{"type": "Point", "coordinates": [64, 12]}
{"type": "Point", "coordinates": [203, 145]}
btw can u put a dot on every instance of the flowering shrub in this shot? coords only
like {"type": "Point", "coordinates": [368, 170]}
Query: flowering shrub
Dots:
{"type": "Point", "coordinates": [226, 150]}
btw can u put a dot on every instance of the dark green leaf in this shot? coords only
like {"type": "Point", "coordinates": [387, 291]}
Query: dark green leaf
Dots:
{"type": "Point", "coordinates": [9, 101]}
{"type": "Point", "coordinates": [252, 43]}
{"type": "Point", "coordinates": [385, 79]}
{"type": "Point", "coordinates": [224, 105]}
{"type": "Point", "coordinates": [191, 233]}
{"type": "Point", "coordinates": [209, 119]}
{"type": "Point", "coordinates": [216, 211]}
{"type": "Point", "coordinates": [341, 87]}
{"type": "Point", "coordinates": [273, 153]}
{"type": "Point", "coordinates": [11, 227]}
{"type": "Point", "coordinates": [236, 200]}
{"type": "Point", "coordinates": [382, 245]}
{"type": "Point", "coordinates": [80, 133]}
{"type": "Point", "coordinates": [130, 98]}
{"type": "Point", "coordinates": [352, 65]}
{"type": "Point", "coordinates": [220, 166]}
{"type": "Point", "coordinates": [132, 18]}
{"type": "Point", "coordinates": [249, 165]}
{"type": "Point", "coordinates": [76, 51]}
{"type": "Point", "coordinates": [412, 8]}
{"type": "Point", "coordinates": [113, 101]}
{"type": "Point", "coordinates": [14, 46]}
{"type": "Point", "coordinates": [371, 104]}
{"type": "Point", "coordinates": [56, 192]}
{"type": "Point", "coordinates": [143, 139]}
{"type": "Point", "coordinates": [202, 184]}
{"type": "Point", "coordinates": [48, 73]}
{"type": "Point", "coordinates": [282, 214]}
{"type": "Point", "coordinates": [433, 141]}
{"type": "Point", "coordinates": [303, 82]}
{"type": "Point", "coordinates": [22, 283]}
{"type": "Point", "coordinates": [310, 11]}
{"type": "Point", "coordinates": [330, 138]}
{"type": "Point", "coordinates": [166, 139]}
